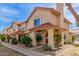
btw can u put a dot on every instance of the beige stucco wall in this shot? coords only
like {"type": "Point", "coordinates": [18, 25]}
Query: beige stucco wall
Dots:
{"type": "Point", "coordinates": [23, 27]}
{"type": "Point", "coordinates": [45, 15]}
{"type": "Point", "coordinates": [66, 26]}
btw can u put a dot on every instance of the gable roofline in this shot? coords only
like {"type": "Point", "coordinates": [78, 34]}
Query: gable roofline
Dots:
{"type": "Point", "coordinates": [18, 23]}
{"type": "Point", "coordinates": [43, 8]}
{"type": "Point", "coordinates": [65, 19]}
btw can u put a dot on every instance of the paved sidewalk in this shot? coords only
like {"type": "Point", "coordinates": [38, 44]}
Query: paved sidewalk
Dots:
{"type": "Point", "coordinates": [24, 50]}
{"type": "Point", "coordinates": [67, 50]}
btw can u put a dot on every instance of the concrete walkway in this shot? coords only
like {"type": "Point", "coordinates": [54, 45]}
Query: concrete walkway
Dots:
{"type": "Point", "coordinates": [24, 50]}
{"type": "Point", "coordinates": [67, 50]}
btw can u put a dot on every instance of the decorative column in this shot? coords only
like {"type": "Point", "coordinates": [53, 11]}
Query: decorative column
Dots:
{"type": "Point", "coordinates": [33, 37]}
{"type": "Point", "coordinates": [67, 36]}
{"type": "Point", "coordinates": [43, 38]}
{"type": "Point", "coordinates": [17, 37]}
{"type": "Point", "coordinates": [50, 38]}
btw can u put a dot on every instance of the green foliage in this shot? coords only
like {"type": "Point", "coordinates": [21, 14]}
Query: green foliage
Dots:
{"type": "Point", "coordinates": [58, 38]}
{"type": "Point", "coordinates": [73, 38]}
{"type": "Point", "coordinates": [38, 37]}
{"type": "Point", "coordinates": [14, 41]}
{"type": "Point", "coordinates": [26, 40]}
{"type": "Point", "coordinates": [46, 47]}
{"type": "Point", "coordinates": [23, 39]}
{"type": "Point", "coordinates": [78, 24]}
{"type": "Point", "coordinates": [2, 37]}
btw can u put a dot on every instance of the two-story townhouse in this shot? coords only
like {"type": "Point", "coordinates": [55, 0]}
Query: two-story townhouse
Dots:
{"type": "Point", "coordinates": [46, 22]}
{"type": "Point", "coordinates": [18, 29]}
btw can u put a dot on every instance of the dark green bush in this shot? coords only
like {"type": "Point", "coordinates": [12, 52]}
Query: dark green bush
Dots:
{"type": "Point", "coordinates": [23, 39]}
{"type": "Point", "coordinates": [14, 41]}
{"type": "Point", "coordinates": [46, 47]}
{"type": "Point", "coordinates": [26, 40]}
{"type": "Point", "coordinates": [38, 37]}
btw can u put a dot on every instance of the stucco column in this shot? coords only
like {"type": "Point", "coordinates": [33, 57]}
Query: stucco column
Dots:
{"type": "Point", "coordinates": [67, 36]}
{"type": "Point", "coordinates": [50, 38]}
{"type": "Point", "coordinates": [62, 41]}
{"type": "Point", "coordinates": [17, 37]}
{"type": "Point", "coordinates": [43, 38]}
{"type": "Point", "coordinates": [70, 38]}
{"type": "Point", "coordinates": [33, 36]}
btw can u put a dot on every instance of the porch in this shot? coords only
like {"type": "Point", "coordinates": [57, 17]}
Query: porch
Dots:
{"type": "Point", "coordinates": [47, 31]}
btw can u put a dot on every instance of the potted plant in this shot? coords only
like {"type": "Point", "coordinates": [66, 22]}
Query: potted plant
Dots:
{"type": "Point", "coordinates": [46, 47]}
{"type": "Point", "coordinates": [57, 38]}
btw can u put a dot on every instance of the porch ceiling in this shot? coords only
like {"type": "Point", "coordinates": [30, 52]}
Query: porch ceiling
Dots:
{"type": "Point", "coordinates": [46, 26]}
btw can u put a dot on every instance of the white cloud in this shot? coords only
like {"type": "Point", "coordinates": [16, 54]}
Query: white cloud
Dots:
{"type": "Point", "coordinates": [9, 11]}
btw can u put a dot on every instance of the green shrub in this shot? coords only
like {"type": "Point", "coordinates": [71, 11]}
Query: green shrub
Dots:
{"type": "Point", "coordinates": [73, 38]}
{"type": "Point", "coordinates": [2, 37]}
{"type": "Point", "coordinates": [57, 38]}
{"type": "Point", "coordinates": [14, 41]}
{"type": "Point", "coordinates": [23, 39]}
{"type": "Point", "coordinates": [46, 47]}
{"type": "Point", "coordinates": [38, 37]}
{"type": "Point", "coordinates": [77, 24]}
{"type": "Point", "coordinates": [26, 40]}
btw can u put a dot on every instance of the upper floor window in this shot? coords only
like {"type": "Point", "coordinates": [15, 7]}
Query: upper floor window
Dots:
{"type": "Point", "coordinates": [36, 21]}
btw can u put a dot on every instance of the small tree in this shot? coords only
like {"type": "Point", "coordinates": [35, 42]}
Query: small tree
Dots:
{"type": "Point", "coordinates": [58, 38]}
{"type": "Point", "coordinates": [26, 40]}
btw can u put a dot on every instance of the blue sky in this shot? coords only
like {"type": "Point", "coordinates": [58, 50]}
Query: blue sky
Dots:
{"type": "Point", "coordinates": [20, 12]}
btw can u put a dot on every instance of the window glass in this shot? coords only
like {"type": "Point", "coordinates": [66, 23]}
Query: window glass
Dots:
{"type": "Point", "coordinates": [37, 22]}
